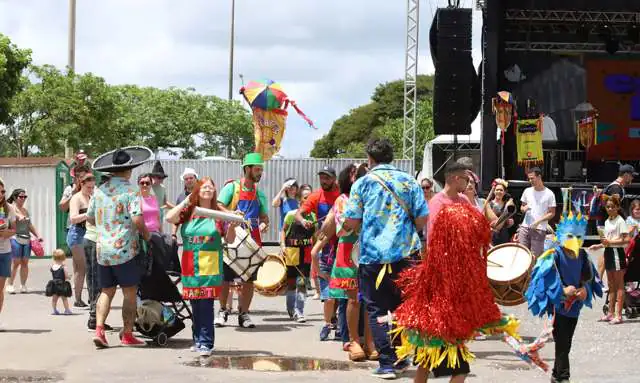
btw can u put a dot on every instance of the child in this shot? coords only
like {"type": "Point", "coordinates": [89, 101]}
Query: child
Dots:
{"type": "Point", "coordinates": [59, 285]}
{"type": "Point", "coordinates": [562, 282]}
{"type": "Point", "coordinates": [633, 220]}
{"type": "Point", "coordinates": [614, 240]}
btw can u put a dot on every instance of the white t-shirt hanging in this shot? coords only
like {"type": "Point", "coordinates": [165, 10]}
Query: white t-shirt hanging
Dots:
{"type": "Point", "coordinates": [539, 203]}
{"type": "Point", "coordinates": [614, 228]}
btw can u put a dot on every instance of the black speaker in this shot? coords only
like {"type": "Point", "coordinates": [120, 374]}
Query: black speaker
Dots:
{"type": "Point", "coordinates": [453, 80]}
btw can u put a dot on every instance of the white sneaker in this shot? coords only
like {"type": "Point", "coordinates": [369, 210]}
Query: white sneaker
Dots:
{"type": "Point", "coordinates": [204, 351]}
{"type": "Point", "coordinates": [300, 318]}
{"type": "Point", "coordinates": [221, 320]}
{"type": "Point", "coordinates": [24, 290]}
{"type": "Point", "coordinates": [11, 289]}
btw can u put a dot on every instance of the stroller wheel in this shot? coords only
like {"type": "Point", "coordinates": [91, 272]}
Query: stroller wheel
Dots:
{"type": "Point", "coordinates": [630, 313]}
{"type": "Point", "coordinates": [605, 309]}
{"type": "Point", "coordinates": [161, 339]}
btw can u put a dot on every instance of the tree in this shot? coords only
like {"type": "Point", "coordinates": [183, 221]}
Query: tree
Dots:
{"type": "Point", "coordinates": [393, 130]}
{"type": "Point", "coordinates": [12, 62]}
{"type": "Point", "coordinates": [381, 117]}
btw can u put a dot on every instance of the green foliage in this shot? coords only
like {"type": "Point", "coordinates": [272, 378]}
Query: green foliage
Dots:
{"type": "Point", "coordinates": [90, 114]}
{"type": "Point", "coordinates": [393, 130]}
{"type": "Point", "coordinates": [382, 117]}
{"type": "Point", "coordinates": [12, 62]}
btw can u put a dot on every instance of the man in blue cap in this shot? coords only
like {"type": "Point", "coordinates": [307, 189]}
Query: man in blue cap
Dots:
{"type": "Point", "coordinates": [243, 196]}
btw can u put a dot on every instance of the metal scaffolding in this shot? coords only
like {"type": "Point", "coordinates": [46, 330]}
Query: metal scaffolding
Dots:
{"type": "Point", "coordinates": [410, 78]}
{"type": "Point", "coordinates": [572, 16]}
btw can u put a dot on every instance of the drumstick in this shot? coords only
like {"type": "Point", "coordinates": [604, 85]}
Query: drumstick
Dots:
{"type": "Point", "coordinates": [486, 201]}
{"type": "Point", "coordinates": [493, 263]}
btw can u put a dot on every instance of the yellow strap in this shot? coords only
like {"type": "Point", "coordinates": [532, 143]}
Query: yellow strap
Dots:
{"type": "Point", "coordinates": [381, 274]}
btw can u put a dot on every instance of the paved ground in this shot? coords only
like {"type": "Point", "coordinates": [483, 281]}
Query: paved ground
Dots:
{"type": "Point", "coordinates": [37, 344]}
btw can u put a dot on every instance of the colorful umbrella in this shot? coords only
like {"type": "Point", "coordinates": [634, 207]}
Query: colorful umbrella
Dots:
{"type": "Point", "coordinates": [265, 95]}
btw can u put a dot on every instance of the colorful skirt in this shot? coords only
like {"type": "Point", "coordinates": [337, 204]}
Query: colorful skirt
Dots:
{"type": "Point", "coordinates": [344, 274]}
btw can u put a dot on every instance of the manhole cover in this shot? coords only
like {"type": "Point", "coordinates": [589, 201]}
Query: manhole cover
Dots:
{"type": "Point", "coordinates": [28, 376]}
{"type": "Point", "coordinates": [275, 363]}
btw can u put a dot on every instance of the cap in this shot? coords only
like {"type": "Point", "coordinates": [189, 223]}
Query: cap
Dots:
{"type": "Point", "coordinates": [328, 170]}
{"type": "Point", "coordinates": [189, 171]}
{"type": "Point", "coordinates": [628, 169]}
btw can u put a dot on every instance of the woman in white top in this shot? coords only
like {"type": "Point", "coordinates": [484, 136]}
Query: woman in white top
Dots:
{"type": "Point", "coordinates": [21, 242]}
{"type": "Point", "coordinates": [614, 239]}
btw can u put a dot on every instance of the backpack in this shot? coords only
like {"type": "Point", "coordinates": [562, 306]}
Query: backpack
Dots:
{"type": "Point", "coordinates": [236, 196]}
{"type": "Point", "coordinates": [596, 207]}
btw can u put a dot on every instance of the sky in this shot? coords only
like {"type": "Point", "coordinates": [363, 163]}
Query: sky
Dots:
{"type": "Point", "coordinates": [328, 55]}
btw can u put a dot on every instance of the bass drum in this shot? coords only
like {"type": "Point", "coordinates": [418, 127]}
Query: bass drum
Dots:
{"type": "Point", "coordinates": [272, 277]}
{"type": "Point", "coordinates": [509, 271]}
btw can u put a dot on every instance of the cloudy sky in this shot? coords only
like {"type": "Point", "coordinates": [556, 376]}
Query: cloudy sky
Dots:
{"type": "Point", "coordinates": [329, 55]}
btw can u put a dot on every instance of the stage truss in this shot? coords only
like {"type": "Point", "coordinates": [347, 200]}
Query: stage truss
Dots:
{"type": "Point", "coordinates": [410, 78]}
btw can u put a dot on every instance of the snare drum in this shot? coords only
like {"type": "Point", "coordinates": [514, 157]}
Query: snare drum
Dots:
{"type": "Point", "coordinates": [509, 270]}
{"type": "Point", "coordinates": [244, 256]}
{"type": "Point", "coordinates": [272, 277]}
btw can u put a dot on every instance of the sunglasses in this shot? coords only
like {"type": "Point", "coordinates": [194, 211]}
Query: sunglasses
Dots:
{"type": "Point", "coordinates": [426, 188]}
{"type": "Point", "coordinates": [22, 197]}
{"type": "Point", "coordinates": [145, 183]}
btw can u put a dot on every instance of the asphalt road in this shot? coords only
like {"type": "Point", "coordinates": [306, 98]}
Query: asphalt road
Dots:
{"type": "Point", "coordinates": [36, 346]}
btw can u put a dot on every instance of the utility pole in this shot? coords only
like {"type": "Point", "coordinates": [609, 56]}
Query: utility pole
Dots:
{"type": "Point", "coordinates": [71, 63]}
{"type": "Point", "coordinates": [231, 46]}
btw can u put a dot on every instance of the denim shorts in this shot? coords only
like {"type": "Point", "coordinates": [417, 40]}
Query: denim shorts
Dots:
{"type": "Point", "coordinates": [75, 236]}
{"type": "Point", "coordinates": [20, 250]}
{"type": "Point", "coordinates": [124, 275]}
{"type": "Point", "coordinates": [5, 265]}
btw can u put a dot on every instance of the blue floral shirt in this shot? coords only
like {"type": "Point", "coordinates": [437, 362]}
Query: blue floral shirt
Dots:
{"type": "Point", "coordinates": [113, 206]}
{"type": "Point", "coordinates": [387, 234]}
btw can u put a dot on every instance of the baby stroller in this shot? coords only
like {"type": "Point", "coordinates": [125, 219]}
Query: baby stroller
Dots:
{"type": "Point", "coordinates": [631, 306]}
{"type": "Point", "coordinates": [161, 311]}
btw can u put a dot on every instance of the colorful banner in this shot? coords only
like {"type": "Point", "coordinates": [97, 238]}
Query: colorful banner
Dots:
{"type": "Point", "coordinates": [503, 108]}
{"type": "Point", "coordinates": [529, 142]}
{"type": "Point", "coordinates": [268, 130]}
{"type": "Point", "coordinates": [587, 129]}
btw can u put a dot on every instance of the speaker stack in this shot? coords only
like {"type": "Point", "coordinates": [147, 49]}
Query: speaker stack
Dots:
{"type": "Point", "coordinates": [454, 81]}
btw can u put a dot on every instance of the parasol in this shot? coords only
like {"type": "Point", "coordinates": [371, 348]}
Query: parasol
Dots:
{"type": "Point", "coordinates": [266, 94]}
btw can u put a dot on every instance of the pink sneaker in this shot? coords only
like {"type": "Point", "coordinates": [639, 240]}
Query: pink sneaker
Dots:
{"type": "Point", "coordinates": [100, 339]}
{"type": "Point", "coordinates": [129, 340]}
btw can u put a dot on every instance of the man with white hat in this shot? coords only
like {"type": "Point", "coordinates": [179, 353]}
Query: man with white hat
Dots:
{"type": "Point", "coordinates": [189, 177]}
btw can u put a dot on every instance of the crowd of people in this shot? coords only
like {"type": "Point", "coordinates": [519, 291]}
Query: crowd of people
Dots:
{"type": "Point", "coordinates": [350, 239]}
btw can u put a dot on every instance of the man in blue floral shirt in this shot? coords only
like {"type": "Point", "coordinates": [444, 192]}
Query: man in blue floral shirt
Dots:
{"type": "Point", "coordinates": [391, 218]}
{"type": "Point", "coordinates": [115, 211]}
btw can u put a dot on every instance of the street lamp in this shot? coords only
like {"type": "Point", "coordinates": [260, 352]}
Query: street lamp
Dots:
{"type": "Point", "coordinates": [71, 58]}
{"type": "Point", "coordinates": [231, 43]}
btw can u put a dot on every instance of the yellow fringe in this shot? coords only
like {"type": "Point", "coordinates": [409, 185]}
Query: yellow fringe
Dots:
{"type": "Point", "coordinates": [431, 357]}
{"type": "Point", "coordinates": [381, 274]}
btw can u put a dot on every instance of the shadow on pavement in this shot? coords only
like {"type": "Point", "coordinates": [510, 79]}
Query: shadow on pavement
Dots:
{"type": "Point", "coordinates": [26, 331]}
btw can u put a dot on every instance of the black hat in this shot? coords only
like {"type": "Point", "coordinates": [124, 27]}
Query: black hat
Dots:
{"type": "Point", "coordinates": [158, 171]}
{"type": "Point", "coordinates": [628, 169]}
{"type": "Point", "coordinates": [328, 170]}
{"type": "Point", "coordinates": [122, 159]}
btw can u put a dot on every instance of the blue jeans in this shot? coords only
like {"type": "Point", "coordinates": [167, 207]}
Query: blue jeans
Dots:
{"type": "Point", "coordinates": [5, 265]}
{"type": "Point", "coordinates": [386, 298]}
{"type": "Point", "coordinates": [202, 328]}
{"type": "Point", "coordinates": [296, 299]}
{"type": "Point", "coordinates": [343, 327]}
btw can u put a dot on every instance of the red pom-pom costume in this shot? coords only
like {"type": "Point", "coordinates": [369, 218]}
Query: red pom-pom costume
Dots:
{"type": "Point", "coordinates": [447, 298]}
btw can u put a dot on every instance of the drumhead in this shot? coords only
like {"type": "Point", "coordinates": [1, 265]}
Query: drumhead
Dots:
{"type": "Point", "coordinates": [271, 272]}
{"type": "Point", "coordinates": [508, 262]}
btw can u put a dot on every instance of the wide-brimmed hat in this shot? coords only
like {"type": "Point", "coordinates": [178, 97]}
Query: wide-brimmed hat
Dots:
{"type": "Point", "coordinates": [158, 171]}
{"type": "Point", "coordinates": [253, 159]}
{"type": "Point", "coordinates": [122, 159]}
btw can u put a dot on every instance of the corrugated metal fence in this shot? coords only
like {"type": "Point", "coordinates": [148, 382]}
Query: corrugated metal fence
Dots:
{"type": "Point", "coordinates": [39, 183]}
{"type": "Point", "coordinates": [275, 172]}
